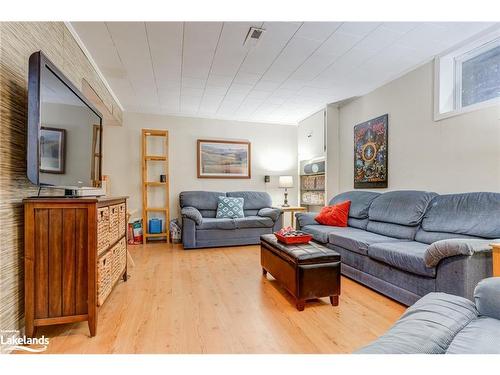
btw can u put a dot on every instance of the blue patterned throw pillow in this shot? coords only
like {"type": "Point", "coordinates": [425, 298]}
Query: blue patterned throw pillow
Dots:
{"type": "Point", "coordinates": [231, 208]}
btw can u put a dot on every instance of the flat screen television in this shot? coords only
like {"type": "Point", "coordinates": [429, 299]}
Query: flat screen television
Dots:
{"type": "Point", "coordinates": [64, 131]}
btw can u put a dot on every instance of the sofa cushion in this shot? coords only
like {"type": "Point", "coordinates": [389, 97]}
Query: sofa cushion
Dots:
{"type": "Point", "coordinates": [405, 255]}
{"type": "Point", "coordinates": [251, 212]}
{"type": "Point", "coordinates": [403, 232]}
{"type": "Point", "coordinates": [360, 202]}
{"type": "Point", "coordinates": [253, 200]}
{"type": "Point", "coordinates": [355, 239]}
{"type": "Point", "coordinates": [202, 200]}
{"type": "Point", "coordinates": [335, 215]}
{"type": "Point", "coordinates": [229, 207]}
{"type": "Point", "coordinates": [357, 223]}
{"type": "Point", "coordinates": [403, 286]}
{"type": "Point", "coordinates": [405, 207]}
{"type": "Point", "coordinates": [481, 336]}
{"type": "Point", "coordinates": [431, 237]}
{"type": "Point", "coordinates": [319, 232]}
{"type": "Point", "coordinates": [427, 327]}
{"type": "Point", "coordinates": [474, 214]}
{"type": "Point", "coordinates": [208, 213]}
{"type": "Point", "coordinates": [214, 223]}
{"type": "Point", "coordinates": [254, 222]}
{"type": "Point", "coordinates": [306, 218]}
{"type": "Point", "coordinates": [221, 237]}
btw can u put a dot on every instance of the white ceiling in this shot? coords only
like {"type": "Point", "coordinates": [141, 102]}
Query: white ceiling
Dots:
{"type": "Point", "coordinates": [202, 69]}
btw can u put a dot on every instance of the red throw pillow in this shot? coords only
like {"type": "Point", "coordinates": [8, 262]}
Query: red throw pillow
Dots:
{"type": "Point", "coordinates": [335, 215]}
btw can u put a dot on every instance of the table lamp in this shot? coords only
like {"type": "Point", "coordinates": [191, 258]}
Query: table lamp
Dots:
{"type": "Point", "coordinates": [285, 182]}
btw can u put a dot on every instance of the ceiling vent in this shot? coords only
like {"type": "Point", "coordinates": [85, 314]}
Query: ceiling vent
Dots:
{"type": "Point", "coordinates": [253, 36]}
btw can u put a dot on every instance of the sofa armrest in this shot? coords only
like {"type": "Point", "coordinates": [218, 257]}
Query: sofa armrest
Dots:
{"type": "Point", "coordinates": [440, 250]}
{"type": "Point", "coordinates": [487, 297]}
{"type": "Point", "coordinates": [188, 233]}
{"type": "Point", "coordinates": [193, 214]}
{"type": "Point", "coordinates": [305, 218]}
{"type": "Point", "coordinates": [427, 327]}
{"type": "Point", "coordinates": [271, 212]}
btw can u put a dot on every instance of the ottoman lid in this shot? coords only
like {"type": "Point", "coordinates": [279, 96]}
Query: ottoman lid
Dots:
{"type": "Point", "coordinates": [308, 253]}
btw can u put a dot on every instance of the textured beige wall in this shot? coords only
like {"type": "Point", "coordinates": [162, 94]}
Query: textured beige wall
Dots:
{"type": "Point", "coordinates": [458, 154]}
{"type": "Point", "coordinates": [17, 42]}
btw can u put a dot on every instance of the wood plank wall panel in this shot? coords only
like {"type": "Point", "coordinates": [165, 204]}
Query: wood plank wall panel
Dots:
{"type": "Point", "coordinates": [18, 40]}
{"type": "Point", "coordinates": [55, 262]}
{"type": "Point", "coordinates": [81, 279]}
{"type": "Point", "coordinates": [68, 263]}
{"type": "Point", "coordinates": [42, 263]}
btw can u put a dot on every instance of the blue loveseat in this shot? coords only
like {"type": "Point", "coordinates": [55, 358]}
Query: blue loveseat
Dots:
{"type": "Point", "coordinates": [407, 243]}
{"type": "Point", "coordinates": [442, 323]}
{"type": "Point", "coordinates": [200, 227]}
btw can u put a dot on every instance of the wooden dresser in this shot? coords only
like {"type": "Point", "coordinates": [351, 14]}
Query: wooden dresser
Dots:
{"type": "Point", "coordinates": [75, 253]}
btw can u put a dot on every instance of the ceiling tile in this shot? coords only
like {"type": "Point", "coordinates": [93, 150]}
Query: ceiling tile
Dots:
{"type": "Point", "coordinates": [231, 51]}
{"type": "Point", "coordinates": [196, 83]}
{"type": "Point", "coordinates": [219, 80]}
{"type": "Point", "coordinates": [203, 69]}
{"type": "Point", "coordinates": [215, 90]}
{"type": "Point", "coordinates": [200, 41]}
{"type": "Point", "coordinates": [400, 27]}
{"type": "Point", "coordinates": [267, 85]}
{"type": "Point", "coordinates": [318, 31]}
{"type": "Point", "coordinates": [165, 41]}
{"type": "Point", "coordinates": [190, 91]}
{"type": "Point", "coordinates": [247, 78]}
{"type": "Point", "coordinates": [277, 34]}
{"type": "Point", "coordinates": [360, 29]}
{"type": "Point", "coordinates": [132, 46]}
{"type": "Point", "coordinates": [258, 94]}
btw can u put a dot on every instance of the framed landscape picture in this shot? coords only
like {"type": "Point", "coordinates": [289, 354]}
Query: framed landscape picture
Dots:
{"type": "Point", "coordinates": [370, 153]}
{"type": "Point", "coordinates": [223, 159]}
{"type": "Point", "coordinates": [52, 148]}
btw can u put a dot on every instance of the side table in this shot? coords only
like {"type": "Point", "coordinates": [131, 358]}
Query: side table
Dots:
{"type": "Point", "coordinates": [292, 211]}
{"type": "Point", "coordinates": [496, 258]}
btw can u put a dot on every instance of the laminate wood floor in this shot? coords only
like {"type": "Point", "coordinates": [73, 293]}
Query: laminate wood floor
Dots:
{"type": "Point", "coordinates": [217, 301]}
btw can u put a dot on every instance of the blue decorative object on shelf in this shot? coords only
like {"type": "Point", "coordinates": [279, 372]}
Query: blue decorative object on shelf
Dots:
{"type": "Point", "coordinates": [155, 226]}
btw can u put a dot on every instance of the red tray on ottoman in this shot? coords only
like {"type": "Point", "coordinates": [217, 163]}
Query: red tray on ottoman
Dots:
{"type": "Point", "coordinates": [298, 238]}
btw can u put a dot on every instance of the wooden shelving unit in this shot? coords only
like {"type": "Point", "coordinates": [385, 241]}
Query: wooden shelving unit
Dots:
{"type": "Point", "coordinates": [146, 185]}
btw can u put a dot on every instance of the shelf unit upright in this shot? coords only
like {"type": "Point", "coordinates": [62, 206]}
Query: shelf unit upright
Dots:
{"type": "Point", "coordinates": [146, 185]}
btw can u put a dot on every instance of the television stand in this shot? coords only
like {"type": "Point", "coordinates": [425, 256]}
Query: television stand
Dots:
{"type": "Point", "coordinates": [75, 254]}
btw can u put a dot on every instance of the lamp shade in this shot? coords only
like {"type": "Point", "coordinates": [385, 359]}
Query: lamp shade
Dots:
{"type": "Point", "coordinates": [285, 181]}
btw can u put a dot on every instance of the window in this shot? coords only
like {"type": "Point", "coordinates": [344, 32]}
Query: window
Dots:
{"type": "Point", "coordinates": [478, 75]}
{"type": "Point", "coordinates": [468, 78]}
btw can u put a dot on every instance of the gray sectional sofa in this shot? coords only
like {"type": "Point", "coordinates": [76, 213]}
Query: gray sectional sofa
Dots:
{"type": "Point", "coordinates": [441, 323]}
{"type": "Point", "coordinates": [201, 228]}
{"type": "Point", "coordinates": [406, 244]}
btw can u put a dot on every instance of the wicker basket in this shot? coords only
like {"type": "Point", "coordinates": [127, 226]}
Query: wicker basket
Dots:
{"type": "Point", "coordinates": [114, 230]}
{"type": "Point", "coordinates": [119, 259]}
{"type": "Point", "coordinates": [104, 277]}
{"type": "Point", "coordinates": [102, 229]}
{"type": "Point", "coordinates": [122, 219]}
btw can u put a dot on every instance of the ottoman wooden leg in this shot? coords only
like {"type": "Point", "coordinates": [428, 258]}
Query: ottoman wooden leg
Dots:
{"type": "Point", "coordinates": [334, 300]}
{"type": "Point", "coordinates": [300, 304]}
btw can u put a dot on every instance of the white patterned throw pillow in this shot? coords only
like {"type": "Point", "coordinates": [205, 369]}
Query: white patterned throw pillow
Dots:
{"type": "Point", "coordinates": [230, 208]}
